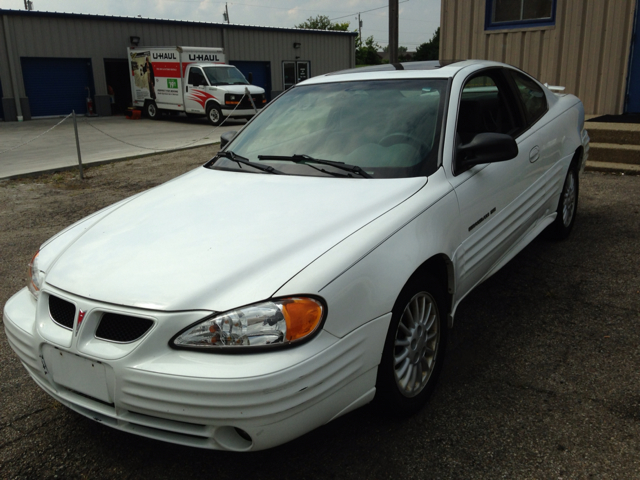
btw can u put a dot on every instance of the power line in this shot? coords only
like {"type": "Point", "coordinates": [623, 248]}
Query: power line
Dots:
{"type": "Point", "coordinates": [364, 11]}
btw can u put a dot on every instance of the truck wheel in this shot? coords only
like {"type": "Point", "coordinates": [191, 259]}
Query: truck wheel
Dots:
{"type": "Point", "coordinates": [214, 114]}
{"type": "Point", "coordinates": [151, 111]}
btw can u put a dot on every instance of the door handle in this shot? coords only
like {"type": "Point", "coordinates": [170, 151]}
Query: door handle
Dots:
{"type": "Point", "coordinates": [534, 154]}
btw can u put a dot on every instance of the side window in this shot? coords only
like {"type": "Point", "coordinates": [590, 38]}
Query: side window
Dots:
{"type": "Point", "coordinates": [196, 77]}
{"type": "Point", "coordinates": [484, 108]}
{"type": "Point", "coordinates": [533, 98]}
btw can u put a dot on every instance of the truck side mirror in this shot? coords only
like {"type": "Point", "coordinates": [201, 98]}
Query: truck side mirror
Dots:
{"type": "Point", "coordinates": [250, 79]}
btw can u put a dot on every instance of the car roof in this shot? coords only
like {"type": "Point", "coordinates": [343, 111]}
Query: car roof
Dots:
{"type": "Point", "coordinates": [426, 69]}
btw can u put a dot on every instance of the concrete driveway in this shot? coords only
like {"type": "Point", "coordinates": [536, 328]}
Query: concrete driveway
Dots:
{"type": "Point", "coordinates": [101, 139]}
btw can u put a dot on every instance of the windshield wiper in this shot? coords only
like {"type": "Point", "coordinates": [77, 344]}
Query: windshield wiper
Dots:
{"type": "Point", "coordinates": [245, 161]}
{"type": "Point", "coordinates": [307, 159]}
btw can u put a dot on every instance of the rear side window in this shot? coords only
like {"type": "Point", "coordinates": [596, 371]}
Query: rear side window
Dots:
{"type": "Point", "coordinates": [532, 96]}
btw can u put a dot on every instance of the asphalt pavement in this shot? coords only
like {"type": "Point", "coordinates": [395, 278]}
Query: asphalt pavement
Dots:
{"type": "Point", "coordinates": [541, 379]}
{"type": "Point", "coordinates": [39, 145]}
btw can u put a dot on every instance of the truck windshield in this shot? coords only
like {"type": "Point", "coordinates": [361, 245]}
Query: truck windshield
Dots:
{"type": "Point", "coordinates": [387, 128]}
{"type": "Point", "coordinates": [225, 76]}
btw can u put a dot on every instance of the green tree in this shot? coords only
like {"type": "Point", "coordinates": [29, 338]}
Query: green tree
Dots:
{"type": "Point", "coordinates": [429, 50]}
{"type": "Point", "coordinates": [322, 22]}
{"type": "Point", "coordinates": [402, 51]}
{"type": "Point", "coordinates": [367, 53]}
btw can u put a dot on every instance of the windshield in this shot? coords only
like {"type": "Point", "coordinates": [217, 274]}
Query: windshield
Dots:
{"type": "Point", "coordinates": [388, 128]}
{"type": "Point", "coordinates": [225, 76]}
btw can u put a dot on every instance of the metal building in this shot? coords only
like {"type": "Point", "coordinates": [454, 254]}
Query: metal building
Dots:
{"type": "Point", "coordinates": [50, 62]}
{"type": "Point", "coordinates": [588, 46]}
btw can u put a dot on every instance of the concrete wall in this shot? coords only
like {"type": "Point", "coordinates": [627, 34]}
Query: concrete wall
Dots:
{"type": "Point", "coordinates": [587, 50]}
{"type": "Point", "coordinates": [37, 34]}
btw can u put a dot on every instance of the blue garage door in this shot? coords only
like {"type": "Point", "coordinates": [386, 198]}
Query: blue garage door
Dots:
{"type": "Point", "coordinates": [261, 73]}
{"type": "Point", "coordinates": [633, 88]}
{"type": "Point", "coordinates": [1, 108]}
{"type": "Point", "coordinates": [55, 86]}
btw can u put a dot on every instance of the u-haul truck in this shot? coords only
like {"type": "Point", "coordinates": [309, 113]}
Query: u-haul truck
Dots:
{"type": "Point", "coordinates": [194, 80]}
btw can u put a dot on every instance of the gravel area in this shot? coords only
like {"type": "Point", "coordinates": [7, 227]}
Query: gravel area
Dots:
{"type": "Point", "coordinates": [542, 378]}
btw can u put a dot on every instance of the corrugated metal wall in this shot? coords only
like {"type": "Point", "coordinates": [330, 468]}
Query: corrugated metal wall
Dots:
{"type": "Point", "coordinates": [35, 34]}
{"type": "Point", "coordinates": [586, 51]}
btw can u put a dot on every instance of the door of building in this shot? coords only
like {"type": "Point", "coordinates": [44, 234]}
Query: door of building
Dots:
{"type": "Point", "coordinates": [55, 86]}
{"type": "Point", "coordinates": [632, 104]}
{"type": "Point", "coordinates": [294, 72]}
{"type": "Point", "coordinates": [257, 73]}
{"type": "Point", "coordinates": [118, 77]}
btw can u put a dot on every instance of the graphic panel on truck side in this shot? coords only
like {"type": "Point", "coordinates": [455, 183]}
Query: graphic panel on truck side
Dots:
{"type": "Point", "coordinates": [156, 75]}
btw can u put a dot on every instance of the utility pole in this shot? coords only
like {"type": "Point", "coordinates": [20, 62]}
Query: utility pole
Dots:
{"type": "Point", "coordinates": [225, 15]}
{"type": "Point", "coordinates": [393, 31]}
{"type": "Point", "coordinates": [359, 26]}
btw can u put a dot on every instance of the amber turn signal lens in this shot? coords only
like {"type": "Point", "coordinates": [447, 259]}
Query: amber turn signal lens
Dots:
{"type": "Point", "coordinates": [303, 315]}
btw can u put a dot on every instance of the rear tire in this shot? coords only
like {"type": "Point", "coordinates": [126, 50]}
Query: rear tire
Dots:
{"type": "Point", "coordinates": [414, 348]}
{"type": "Point", "coordinates": [567, 205]}
{"type": "Point", "coordinates": [151, 111]}
{"type": "Point", "coordinates": [214, 114]}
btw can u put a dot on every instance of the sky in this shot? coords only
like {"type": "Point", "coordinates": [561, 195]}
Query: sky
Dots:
{"type": "Point", "coordinates": [418, 18]}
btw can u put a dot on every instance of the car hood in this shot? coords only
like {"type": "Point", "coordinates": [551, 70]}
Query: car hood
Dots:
{"type": "Point", "coordinates": [217, 240]}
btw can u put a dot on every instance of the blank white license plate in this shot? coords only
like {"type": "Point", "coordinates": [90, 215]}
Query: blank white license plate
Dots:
{"type": "Point", "coordinates": [77, 373]}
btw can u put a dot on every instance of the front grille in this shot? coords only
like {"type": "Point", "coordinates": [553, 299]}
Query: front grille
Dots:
{"type": "Point", "coordinates": [122, 328]}
{"type": "Point", "coordinates": [246, 103]}
{"type": "Point", "coordinates": [62, 312]}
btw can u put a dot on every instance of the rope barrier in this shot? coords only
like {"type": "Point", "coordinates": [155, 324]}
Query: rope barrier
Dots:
{"type": "Point", "coordinates": [86, 121]}
{"type": "Point", "coordinates": [35, 138]}
{"type": "Point", "coordinates": [166, 149]}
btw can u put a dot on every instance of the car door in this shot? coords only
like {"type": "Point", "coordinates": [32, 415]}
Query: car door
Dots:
{"type": "Point", "coordinates": [195, 95]}
{"type": "Point", "coordinates": [494, 206]}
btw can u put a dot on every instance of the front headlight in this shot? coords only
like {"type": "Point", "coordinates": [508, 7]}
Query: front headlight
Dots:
{"type": "Point", "coordinates": [281, 321]}
{"type": "Point", "coordinates": [36, 277]}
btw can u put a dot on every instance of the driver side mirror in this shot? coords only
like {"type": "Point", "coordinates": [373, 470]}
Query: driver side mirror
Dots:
{"type": "Point", "coordinates": [485, 148]}
{"type": "Point", "coordinates": [226, 137]}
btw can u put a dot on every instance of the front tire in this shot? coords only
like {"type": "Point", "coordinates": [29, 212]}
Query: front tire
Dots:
{"type": "Point", "coordinates": [567, 205]}
{"type": "Point", "coordinates": [214, 114]}
{"type": "Point", "coordinates": [414, 348]}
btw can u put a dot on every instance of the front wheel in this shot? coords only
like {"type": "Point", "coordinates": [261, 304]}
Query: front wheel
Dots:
{"type": "Point", "coordinates": [414, 348]}
{"type": "Point", "coordinates": [214, 114]}
{"type": "Point", "coordinates": [567, 206]}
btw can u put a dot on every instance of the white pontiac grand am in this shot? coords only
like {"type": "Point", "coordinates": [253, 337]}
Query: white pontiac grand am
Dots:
{"type": "Point", "coordinates": [313, 265]}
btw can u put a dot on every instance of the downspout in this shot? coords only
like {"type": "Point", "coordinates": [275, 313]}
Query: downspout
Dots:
{"type": "Point", "coordinates": [12, 67]}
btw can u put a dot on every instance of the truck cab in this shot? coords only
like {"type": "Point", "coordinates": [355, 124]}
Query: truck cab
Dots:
{"type": "Point", "coordinates": [218, 91]}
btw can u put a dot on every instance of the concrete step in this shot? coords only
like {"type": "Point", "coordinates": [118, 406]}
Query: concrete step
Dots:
{"type": "Point", "coordinates": [612, 167]}
{"type": "Point", "coordinates": [619, 133]}
{"type": "Point", "coordinates": [614, 153]}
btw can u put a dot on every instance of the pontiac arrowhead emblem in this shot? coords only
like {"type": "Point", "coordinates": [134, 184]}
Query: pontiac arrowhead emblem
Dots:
{"type": "Point", "coordinates": [79, 322]}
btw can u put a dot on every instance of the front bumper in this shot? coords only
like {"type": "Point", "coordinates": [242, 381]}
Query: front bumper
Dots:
{"type": "Point", "coordinates": [240, 112]}
{"type": "Point", "coordinates": [226, 402]}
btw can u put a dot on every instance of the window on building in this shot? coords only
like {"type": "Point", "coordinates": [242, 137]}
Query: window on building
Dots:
{"type": "Point", "coordinates": [519, 13]}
